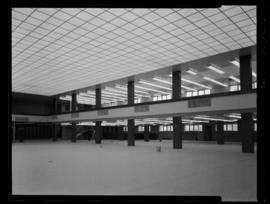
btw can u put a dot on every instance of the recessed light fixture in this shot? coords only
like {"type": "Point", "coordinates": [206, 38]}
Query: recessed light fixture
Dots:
{"type": "Point", "coordinates": [191, 72]}
{"type": "Point", "coordinates": [214, 68]}
{"type": "Point", "coordinates": [235, 79]}
{"type": "Point", "coordinates": [150, 84]}
{"type": "Point", "coordinates": [217, 119]}
{"type": "Point", "coordinates": [235, 62]}
{"type": "Point", "coordinates": [154, 90]}
{"type": "Point", "coordinates": [215, 81]}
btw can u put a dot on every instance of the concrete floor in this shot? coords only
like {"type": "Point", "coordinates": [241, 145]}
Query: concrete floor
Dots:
{"type": "Point", "coordinates": [83, 168]}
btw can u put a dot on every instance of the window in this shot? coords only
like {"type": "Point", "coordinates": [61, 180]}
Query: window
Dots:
{"type": "Point", "coordinates": [186, 128]}
{"type": "Point", "coordinates": [229, 127]}
{"type": "Point", "coordinates": [255, 126]}
{"type": "Point", "coordinates": [235, 127]}
{"type": "Point", "coordinates": [225, 127]}
{"type": "Point", "coordinates": [207, 91]}
{"type": "Point", "coordinates": [200, 128]}
{"type": "Point", "coordinates": [164, 97]}
{"type": "Point", "coordinates": [169, 96]}
{"type": "Point", "coordinates": [159, 98]}
{"type": "Point", "coordinates": [190, 127]}
{"type": "Point", "coordinates": [194, 93]}
{"type": "Point", "coordinates": [254, 85]}
{"type": "Point", "coordinates": [189, 94]}
{"type": "Point", "coordinates": [201, 92]}
{"type": "Point", "coordinates": [155, 98]}
{"type": "Point", "coordinates": [196, 128]}
{"type": "Point", "coordinates": [161, 128]}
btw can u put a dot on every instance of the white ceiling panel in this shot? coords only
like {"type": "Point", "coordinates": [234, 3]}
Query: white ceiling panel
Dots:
{"type": "Point", "coordinates": [58, 50]}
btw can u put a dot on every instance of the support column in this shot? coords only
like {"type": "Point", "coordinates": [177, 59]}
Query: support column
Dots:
{"type": "Point", "coordinates": [176, 84]}
{"type": "Point", "coordinates": [73, 136]}
{"type": "Point", "coordinates": [177, 121]}
{"type": "Point", "coordinates": [130, 92]}
{"type": "Point", "coordinates": [98, 97]}
{"type": "Point", "coordinates": [247, 132]}
{"type": "Point", "coordinates": [131, 132]}
{"type": "Point", "coordinates": [54, 132]}
{"type": "Point", "coordinates": [220, 132]}
{"type": "Point", "coordinates": [146, 133]}
{"type": "Point", "coordinates": [98, 136]}
{"type": "Point", "coordinates": [120, 133]}
{"type": "Point", "coordinates": [74, 102]}
{"type": "Point", "coordinates": [13, 131]}
{"type": "Point", "coordinates": [55, 108]}
{"type": "Point", "coordinates": [245, 73]}
{"type": "Point", "coordinates": [177, 132]}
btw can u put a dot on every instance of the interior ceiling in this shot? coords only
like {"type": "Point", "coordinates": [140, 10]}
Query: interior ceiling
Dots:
{"type": "Point", "coordinates": [58, 50]}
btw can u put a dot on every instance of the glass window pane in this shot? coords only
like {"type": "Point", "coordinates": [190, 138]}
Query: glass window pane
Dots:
{"type": "Point", "coordinates": [189, 94]}
{"type": "Point", "coordinates": [164, 97]}
{"type": "Point", "coordinates": [207, 91]}
{"type": "Point", "coordinates": [186, 128]}
{"type": "Point", "coordinates": [194, 93]}
{"type": "Point", "coordinates": [255, 126]}
{"type": "Point", "coordinates": [190, 127]}
{"type": "Point", "coordinates": [169, 96]}
{"type": "Point", "coordinates": [229, 127]}
{"type": "Point", "coordinates": [235, 127]}
{"type": "Point", "coordinates": [200, 128]}
{"type": "Point", "coordinates": [225, 127]}
{"type": "Point", "coordinates": [195, 127]}
{"type": "Point", "coordinates": [201, 92]}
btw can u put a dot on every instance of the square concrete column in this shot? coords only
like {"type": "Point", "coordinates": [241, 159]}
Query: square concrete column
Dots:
{"type": "Point", "coordinates": [73, 102]}
{"type": "Point", "coordinates": [74, 132]}
{"type": "Point", "coordinates": [98, 97]}
{"type": "Point", "coordinates": [146, 133]}
{"type": "Point", "coordinates": [131, 132]}
{"type": "Point", "coordinates": [120, 133]}
{"type": "Point", "coordinates": [176, 84]}
{"type": "Point", "coordinates": [98, 136]}
{"type": "Point", "coordinates": [245, 73]}
{"type": "Point", "coordinates": [54, 107]}
{"type": "Point", "coordinates": [177, 132]}
{"type": "Point", "coordinates": [247, 132]}
{"type": "Point", "coordinates": [220, 132]}
{"type": "Point", "coordinates": [54, 132]}
{"type": "Point", "coordinates": [130, 92]}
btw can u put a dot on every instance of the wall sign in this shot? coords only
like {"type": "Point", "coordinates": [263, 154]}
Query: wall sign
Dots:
{"type": "Point", "coordinates": [202, 102]}
{"type": "Point", "coordinates": [103, 112]}
{"type": "Point", "coordinates": [143, 108]}
{"type": "Point", "coordinates": [74, 115]}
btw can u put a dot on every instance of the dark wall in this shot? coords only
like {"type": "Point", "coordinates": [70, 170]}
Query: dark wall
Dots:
{"type": "Point", "coordinates": [31, 104]}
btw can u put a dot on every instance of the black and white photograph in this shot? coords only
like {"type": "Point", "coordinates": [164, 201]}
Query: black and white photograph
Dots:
{"type": "Point", "coordinates": [134, 101]}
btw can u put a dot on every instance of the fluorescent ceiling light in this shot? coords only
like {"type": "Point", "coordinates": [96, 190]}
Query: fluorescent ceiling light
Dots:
{"type": "Point", "coordinates": [235, 62]}
{"type": "Point", "coordinates": [66, 98]}
{"type": "Point", "coordinates": [150, 84]}
{"type": "Point", "coordinates": [195, 121]}
{"type": "Point", "coordinates": [216, 82]}
{"type": "Point", "coordinates": [188, 88]}
{"type": "Point", "coordinates": [198, 84]}
{"type": "Point", "coordinates": [191, 72]}
{"type": "Point", "coordinates": [154, 90]}
{"type": "Point", "coordinates": [254, 74]}
{"type": "Point", "coordinates": [217, 119]}
{"type": "Point", "coordinates": [215, 69]}
{"type": "Point", "coordinates": [235, 79]}
{"type": "Point", "coordinates": [233, 116]}
{"type": "Point", "coordinates": [161, 80]}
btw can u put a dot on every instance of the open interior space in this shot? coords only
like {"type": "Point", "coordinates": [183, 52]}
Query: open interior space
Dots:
{"type": "Point", "coordinates": [135, 101]}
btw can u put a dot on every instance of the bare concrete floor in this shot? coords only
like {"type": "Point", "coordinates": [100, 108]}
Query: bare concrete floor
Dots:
{"type": "Point", "coordinates": [84, 168]}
